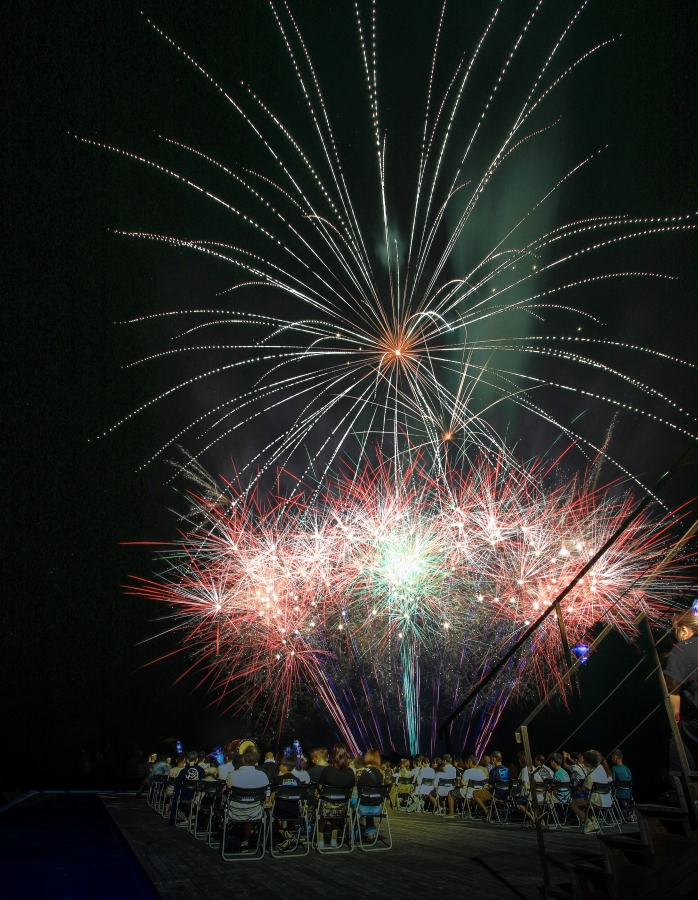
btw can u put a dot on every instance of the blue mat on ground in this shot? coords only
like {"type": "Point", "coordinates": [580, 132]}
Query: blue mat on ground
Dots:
{"type": "Point", "coordinates": [65, 847]}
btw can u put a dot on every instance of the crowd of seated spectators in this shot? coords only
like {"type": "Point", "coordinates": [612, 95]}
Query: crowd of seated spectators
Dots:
{"type": "Point", "coordinates": [439, 785]}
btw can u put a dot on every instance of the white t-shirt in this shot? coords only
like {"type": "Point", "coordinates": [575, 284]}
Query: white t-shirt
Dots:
{"type": "Point", "coordinates": [426, 773]}
{"type": "Point", "coordinates": [599, 776]}
{"type": "Point", "coordinates": [246, 777]}
{"type": "Point", "coordinates": [449, 773]}
{"type": "Point", "coordinates": [225, 770]}
{"type": "Point", "coordinates": [473, 775]}
{"type": "Point", "coordinates": [301, 775]}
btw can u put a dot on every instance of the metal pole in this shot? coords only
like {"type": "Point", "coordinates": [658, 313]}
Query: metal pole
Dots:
{"type": "Point", "coordinates": [565, 642]}
{"type": "Point", "coordinates": [674, 725]}
{"type": "Point", "coordinates": [523, 731]}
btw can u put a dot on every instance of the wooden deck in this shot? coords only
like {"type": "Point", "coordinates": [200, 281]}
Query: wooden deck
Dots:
{"type": "Point", "coordinates": [430, 857]}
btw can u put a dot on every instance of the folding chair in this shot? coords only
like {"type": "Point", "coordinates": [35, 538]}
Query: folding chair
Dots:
{"type": "Point", "coordinates": [214, 832]}
{"type": "Point", "coordinates": [298, 794]}
{"type": "Point", "coordinates": [244, 806]}
{"type": "Point", "coordinates": [560, 799]}
{"type": "Point", "coordinates": [156, 791]}
{"type": "Point", "coordinates": [624, 806]}
{"type": "Point", "coordinates": [449, 783]}
{"type": "Point", "coordinates": [373, 797]}
{"type": "Point", "coordinates": [602, 815]}
{"type": "Point", "coordinates": [417, 797]}
{"type": "Point", "coordinates": [469, 803]}
{"type": "Point", "coordinates": [404, 784]}
{"type": "Point", "coordinates": [499, 806]}
{"type": "Point", "coordinates": [153, 788]}
{"type": "Point", "coordinates": [335, 795]}
{"type": "Point", "coordinates": [202, 808]}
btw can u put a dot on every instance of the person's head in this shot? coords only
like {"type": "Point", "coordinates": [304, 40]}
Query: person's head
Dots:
{"type": "Point", "coordinates": [592, 759]}
{"type": "Point", "coordinates": [522, 758]}
{"type": "Point", "coordinates": [576, 756]}
{"type": "Point", "coordinates": [202, 755]}
{"type": "Point", "coordinates": [539, 759]}
{"type": "Point", "coordinates": [287, 764]}
{"type": "Point", "coordinates": [162, 757]}
{"type": "Point", "coordinates": [193, 757]}
{"type": "Point", "coordinates": [497, 757]}
{"type": "Point", "coordinates": [458, 762]}
{"type": "Point", "coordinates": [180, 761]}
{"type": "Point", "coordinates": [685, 625]}
{"type": "Point", "coordinates": [472, 761]}
{"type": "Point", "coordinates": [357, 762]}
{"type": "Point", "coordinates": [250, 757]}
{"type": "Point", "coordinates": [268, 755]}
{"type": "Point", "coordinates": [448, 759]}
{"type": "Point", "coordinates": [486, 759]}
{"type": "Point", "coordinates": [617, 757]}
{"type": "Point", "coordinates": [229, 756]}
{"type": "Point", "coordinates": [555, 761]}
{"type": "Point", "coordinates": [372, 758]}
{"type": "Point", "coordinates": [153, 757]}
{"type": "Point", "coordinates": [340, 756]}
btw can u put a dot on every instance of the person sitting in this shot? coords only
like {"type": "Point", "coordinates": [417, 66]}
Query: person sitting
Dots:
{"type": "Point", "coordinates": [424, 780]}
{"type": "Point", "coordinates": [183, 790]}
{"type": "Point", "coordinates": [161, 766]}
{"type": "Point", "coordinates": [620, 772]}
{"type": "Point", "coordinates": [370, 775]}
{"type": "Point", "coordinates": [486, 762]}
{"type": "Point", "coordinates": [247, 776]}
{"type": "Point", "coordinates": [227, 767]}
{"type": "Point", "coordinates": [681, 678]}
{"type": "Point", "coordinates": [498, 784]}
{"type": "Point", "coordinates": [543, 772]}
{"type": "Point", "coordinates": [560, 777]}
{"type": "Point", "coordinates": [596, 774]}
{"type": "Point", "coordinates": [446, 772]}
{"type": "Point", "coordinates": [299, 770]}
{"type": "Point", "coordinates": [473, 772]}
{"type": "Point", "coordinates": [269, 765]}
{"type": "Point", "coordinates": [338, 774]}
{"type": "Point", "coordinates": [403, 782]}
{"type": "Point", "coordinates": [284, 810]}
{"type": "Point", "coordinates": [318, 761]}
{"type": "Point", "coordinates": [574, 764]}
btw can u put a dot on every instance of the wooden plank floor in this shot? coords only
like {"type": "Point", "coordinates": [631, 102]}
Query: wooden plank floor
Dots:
{"type": "Point", "coordinates": [430, 857]}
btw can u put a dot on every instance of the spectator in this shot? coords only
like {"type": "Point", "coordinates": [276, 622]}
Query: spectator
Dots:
{"type": "Point", "coordinates": [681, 677]}
{"type": "Point", "coordinates": [486, 761]}
{"type": "Point", "coordinates": [620, 772]}
{"type": "Point", "coordinates": [596, 774]}
{"type": "Point", "coordinates": [498, 784]}
{"type": "Point", "coordinates": [318, 761]}
{"type": "Point", "coordinates": [284, 810]}
{"type": "Point", "coordinates": [161, 766]}
{"type": "Point", "coordinates": [337, 774]}
{"type": "Point", "coordinates": [473, 772]}
{"type": "Point", "coordinates": [227, 767]}
{"type": "Point", "coordinates": [424, 778]}
{"type": "Point", "coordinates": [178, 766]}
{"type": "Point", "coordinates": [183, 787]}
{"type": "Point", "coordinates": [560, 776]}
{"type": "Point", "coordinates": [147, 775]}
{"type": "Point", "coordinates": [372, 776]}
{"type": "Point", "coordinates": [299, 770]}
{"type": "Point", "coordinates": [573, 763]}
{"type": "Point", "coordinates": [545, 772]}
{"type": "Point", "coordinates": [447, 772]}
{"type": "Point", "coordinates": [247, 776]}
{"type": "Point", "coordinates": [269, 765]}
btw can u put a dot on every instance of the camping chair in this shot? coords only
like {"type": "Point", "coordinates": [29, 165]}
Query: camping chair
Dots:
{"type": "Point", "coordinates": [334, 806]}
{"type": "Point", "coordinates": [244, 806]}
{"type": "Point", "coordinates": [369, 796]}
{"type": "Point", "coordinates": [292, 794]}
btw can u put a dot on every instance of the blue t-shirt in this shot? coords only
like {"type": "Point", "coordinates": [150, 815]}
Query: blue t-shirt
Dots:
{"type": "Point", "coordinates": [499, 780]}
{"type": "Point", "coordinates": [622, 773]}
{"type": "Point", "coordinates": [561, 775]}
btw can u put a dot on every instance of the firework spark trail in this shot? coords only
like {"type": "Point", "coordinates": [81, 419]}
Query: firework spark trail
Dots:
{"type": "Point", "coordinates": [394, 591]}
{"type": "Point", "coordinates": [388, 334]}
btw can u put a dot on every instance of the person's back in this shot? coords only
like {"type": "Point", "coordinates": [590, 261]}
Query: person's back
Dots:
{"type": "Point", "coordinates": [447, 774]}
{"type": "Point", "coordinates": [596, 774]}
{"type": "Point", "coordinates": [160, 767]}
{"type": "Point", "coordinates": [331, 776]}
{"type": "Point", "coordinates": [499, 778]}
{"type": "Point", "coordinates": [269, 765]}
{"type": "Point", "coordinates": [226, 768]}
{"type": "Point", "coordinates": [425, 778]}
{"type": "Point", "coordinates": [247, 776]}
{"type": "Point", "coordinates": [561, 779]}
{"type": "Point", "coordinates": [620, 772]}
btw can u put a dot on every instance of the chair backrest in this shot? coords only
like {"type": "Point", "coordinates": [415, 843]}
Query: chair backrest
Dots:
{"type": "Point", "coordinates": [404, 779]}
{"type": "Point", "coordinates": [477, 782]}
{"type": "Point", "coordinates": [623, 785]}
{"type": "Point", "coordinates": [248, 796]}
{"type": "Point", "coordinates": [372, 794]}
{"type": "Point", "coordinates": [336, 794]}
{"type": "Point", "coordinates": [601, 787]}
{"type": "Point", "coordinates": [427, 781]}
{"type": "Point", "coordinates": [210, 787]}
{"type": "Point", "coordinates": [297, 792]}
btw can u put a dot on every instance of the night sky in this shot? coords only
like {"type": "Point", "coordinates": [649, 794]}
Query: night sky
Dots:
{"type": "Point", "coordinates": [75, 669]}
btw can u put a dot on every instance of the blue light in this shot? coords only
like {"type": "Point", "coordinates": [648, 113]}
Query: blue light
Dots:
{"type": "Point", "coordinates": [581, 651]}
{"type": "Point", "coordinates": [179, 746]}
{"type": "Point", "coordinates": [694, 606]}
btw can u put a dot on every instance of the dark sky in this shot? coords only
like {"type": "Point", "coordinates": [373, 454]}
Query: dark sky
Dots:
{"type": "Point", "coordinates": [74, 665]}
